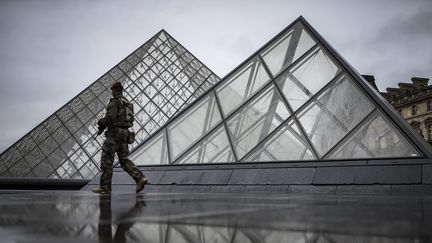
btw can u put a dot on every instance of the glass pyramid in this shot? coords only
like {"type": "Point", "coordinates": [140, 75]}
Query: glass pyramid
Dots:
{"type": "Point", "coordinates": [295, 99]}
{"type": "Point", "coordinates": [160, 78]}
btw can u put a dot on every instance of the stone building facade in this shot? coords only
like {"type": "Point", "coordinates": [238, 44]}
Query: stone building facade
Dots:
{"type": "Point", "coordinates": [414, 102]}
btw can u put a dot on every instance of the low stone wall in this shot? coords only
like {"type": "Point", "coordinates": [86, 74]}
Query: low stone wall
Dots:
{"type": "Point", "coordinates": [358, 177]}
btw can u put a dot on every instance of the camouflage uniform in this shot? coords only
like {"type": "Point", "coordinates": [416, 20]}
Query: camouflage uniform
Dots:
{"type": "Point", "coordinates": [115, 142]}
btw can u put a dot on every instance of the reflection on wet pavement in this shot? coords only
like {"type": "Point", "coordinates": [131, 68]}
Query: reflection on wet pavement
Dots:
{"type": "Point", "coordinates": [50, 216]}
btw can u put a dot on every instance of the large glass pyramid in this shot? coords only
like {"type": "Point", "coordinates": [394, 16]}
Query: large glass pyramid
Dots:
{"type": "Point", "coordinates": [295, 99]}
{"type": "Point", "coordinates": [161, 77]}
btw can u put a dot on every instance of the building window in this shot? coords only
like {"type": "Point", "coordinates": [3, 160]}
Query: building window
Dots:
{"type": "Point", "coordinates": [429, 105]}
{"type": "Point", "coordinates": [413, 109]}
{"type": "Point", "coordinates": [429, 131]}
{"type": "Point", "coordinates": [416, 126]}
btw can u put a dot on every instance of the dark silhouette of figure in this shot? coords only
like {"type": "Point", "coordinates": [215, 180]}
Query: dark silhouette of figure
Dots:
{"type": "Point", "coordinates": [118, 118]}
{"type": "Point", "coordinates": [105, 219]}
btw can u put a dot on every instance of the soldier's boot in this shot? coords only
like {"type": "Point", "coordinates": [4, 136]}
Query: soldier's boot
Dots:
{"type": "Point", "coordinates": [101, 190]}
{"type": "Point", "coordinates": [141, 183]}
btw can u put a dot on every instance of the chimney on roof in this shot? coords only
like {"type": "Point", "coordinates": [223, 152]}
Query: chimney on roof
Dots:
{"type": "Point", "coordinates": [406, 88]}
{"type": "Point", "coordinates": [419, 82]}
{"type": "Point", "coordinates": [371, 80]}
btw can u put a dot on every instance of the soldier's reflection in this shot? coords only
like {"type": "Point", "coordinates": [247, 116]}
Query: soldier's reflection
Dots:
{"type": "Point", "coordinates": [105, 219]}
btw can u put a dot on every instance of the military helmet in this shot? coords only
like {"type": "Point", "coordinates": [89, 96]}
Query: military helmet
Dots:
{"type": "Point", "coordinates": [116, 86]}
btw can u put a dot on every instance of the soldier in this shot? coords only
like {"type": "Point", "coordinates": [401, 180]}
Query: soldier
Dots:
{"type": "Point", "coordinates": [118, 118]}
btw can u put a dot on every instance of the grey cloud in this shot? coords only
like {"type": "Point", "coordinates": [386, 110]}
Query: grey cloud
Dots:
{"type": "Point", "coordinates": [409, 26]}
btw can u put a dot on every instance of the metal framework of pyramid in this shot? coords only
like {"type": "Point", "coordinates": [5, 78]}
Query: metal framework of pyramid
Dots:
{"type": "Point", "coordinates": [295, 99]}
{"type": "Point", "coordinates": [161, 77]}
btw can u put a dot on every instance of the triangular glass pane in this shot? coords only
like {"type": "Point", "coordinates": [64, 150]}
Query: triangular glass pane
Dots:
{"type": "Point", "coordinates": [329, 118]}
{"type": "Point", "coordinates": [193, 124]}
{"type": "Point", "coordinates": [242, 85]}
{"type": "Point", "coordinates": [153, 152]}
{"type": "Point", "coordinates": [374, 139]}
{"type": "Point", "coordinates": [286, 144]}
{"type": "Point", "coordinates": [162, 36]}
{"type": "Point", "coordinates": [305, 79]}
{"type": "Point", "coordinates": [214, 148]}
{"type": "Point", "coordinates": [286, 49]}
{"type": "Point", "coordinates": [256, 120]}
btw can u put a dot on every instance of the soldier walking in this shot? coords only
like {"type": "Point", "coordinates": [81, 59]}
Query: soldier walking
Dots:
{"type": "Point", "coordinates": [118, 118]}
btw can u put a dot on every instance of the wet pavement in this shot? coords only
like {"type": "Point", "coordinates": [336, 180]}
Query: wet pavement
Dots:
{"type": "Point", "coordinates": [53, 216]}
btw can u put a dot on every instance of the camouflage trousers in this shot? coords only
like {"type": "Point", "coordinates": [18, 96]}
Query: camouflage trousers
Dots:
{"type": "Point", "coordinates": [111, 146]}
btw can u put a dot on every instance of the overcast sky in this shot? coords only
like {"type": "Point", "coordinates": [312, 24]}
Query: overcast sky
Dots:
{"type": "Point", "coordinates": [50, 50]}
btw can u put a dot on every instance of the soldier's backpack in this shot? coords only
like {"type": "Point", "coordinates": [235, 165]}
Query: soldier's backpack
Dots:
{"type": "Point", "coordinates": [125, 115]}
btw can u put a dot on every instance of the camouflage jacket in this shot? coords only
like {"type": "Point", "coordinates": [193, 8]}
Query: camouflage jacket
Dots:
{"type": "Point", "coordinates": [112, 111]}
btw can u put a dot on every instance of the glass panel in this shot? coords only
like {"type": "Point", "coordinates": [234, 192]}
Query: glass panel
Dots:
{"type": "Point", "coordinates": [79, 158]}
{"type": "Point", "coordinates": [69, 146]}
{"type": "Point", "coordinates": [10, 156]}
{"type": "Point", "coordinates": [39, 134]}
{"type": "Point", "coordinates": [82, 135]}
{"type": "Point", "coordinates": [159, 100]}
{"type": "Point", "coordinates": [88, 170]}
{"type": "Point", "coordinates": [105, 97]}
{"type": "Point", "coordinates": [61, 134]}
{"type": "Point", "coordinates": [87, 96]}
{"type": "Point", "coordinates": [213, 149]}
{"type": "Point", "coordinates": [3, 167]}
{"type": "Point", "coordinates": [106, 80]}
{"type": "Point", "coordinates": [142, 134]}
{"type": "Point", "coordinates": [192, 125]}
{"type": "Point", "coordinates": [64, 114]}
{"type": "Point", "coordinates": [97, 88]}
{"type": "Point", "coordinates": [286, 144]}
{"type": "Point", "coordinates": [125, 65]}
{"type": "Point", "coordinates": [116, 73]}
{"type": "Point", "coordinates": [256, 120]}
{"type": "Point", "coordinates": [152, 152]}
{"type": "Point", "coordinates": [96, 106]}
{"type": "Point", "coordinates": [160, 118]}
{"type": "Point", "coordinates": [73, 124]}
{"type": "Point", "coordinates": [57, 157]}
{"type": "Point", "coordinates": [376, 138]}
{"type": "Point", "coordinates": [143, 49]}
{"type": "Point", "coordinates": [133, 60]}
{"type": "Point", "coordinates": [76, 105]}
{"type": "Point", "coordinates": [150, 127]}
{"type": "Point", "coordinates": [20, 169]}
{"type": "Point", "coordinates": [33, 157]}
{"type": "Point", "coordinates": [43, 169]}
{"type": "Point", "coordinates": [92, 146]}
{"type": "Point", "coordinates": [150, 91]}
{"type": "Point", "coordinates": [142, 117]}
{"type": "Point", "coordinates": [242, 85]}
{"type": "Point", "coordinates": [304, 80]}
{"type": "Point", "coordinates": [158, 83]}
{"type": "Point", "coordinates": [48, 145]}
{"type": "Point", "coordinates": [134, 75]}
{"type": "Point", "coordinates": [141, 67]}
{"type": "Point", "coordinates": [52, 123]}
{"type": "Point", "coordinates": [85, 114]}
{"type": "Point", "coordinates": [141, 82]}
{"type": "Point", "coordinates": [327, 119]}
{"type": "Point", "coordinates": [67, 169]}
{"type": "Point", "coordinates": [132, 91]}
{"type": "Point", "coordinates": [286, 49]}
{"type": "Point", "coordinates": [26, 144]}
